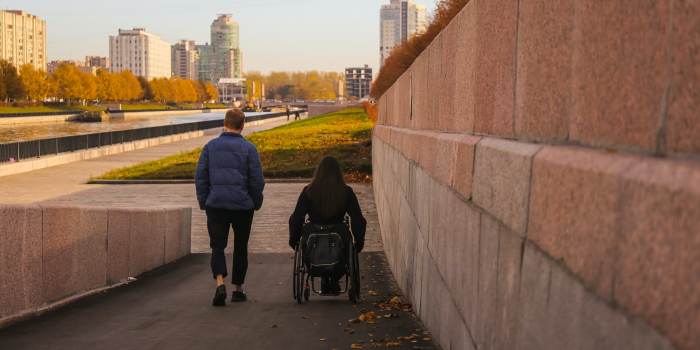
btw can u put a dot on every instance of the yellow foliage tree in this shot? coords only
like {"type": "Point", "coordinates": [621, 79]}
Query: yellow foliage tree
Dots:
{"type": "Point", "coordinates": [69, 85]}
{"type": "Point", "coordinates": [35, 81]}
{"type": "Point", "coordinates": [89, 86]}
{"type": "Point", "coordinates": [212, 92]}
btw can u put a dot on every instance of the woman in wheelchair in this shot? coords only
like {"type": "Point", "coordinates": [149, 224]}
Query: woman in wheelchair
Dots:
{"type": "Point", "coordinates": [327, 200]}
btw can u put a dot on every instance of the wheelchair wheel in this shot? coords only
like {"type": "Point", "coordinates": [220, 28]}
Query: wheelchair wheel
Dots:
{"type": "Point", "coordinates": [298, 283]}
{"type": "Point", "coordinates": [354, 287]}
{"type": "Point", "coordinates": [356, 282]}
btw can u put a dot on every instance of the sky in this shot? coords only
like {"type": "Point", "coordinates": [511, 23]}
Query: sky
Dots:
{"type": "Point", "coordinates": [275, 35]}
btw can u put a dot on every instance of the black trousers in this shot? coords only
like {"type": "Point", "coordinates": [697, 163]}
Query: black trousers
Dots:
{"type": "Point", "coordinates": [219, 221]}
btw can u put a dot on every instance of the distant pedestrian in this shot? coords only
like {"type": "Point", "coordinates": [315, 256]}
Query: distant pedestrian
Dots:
{"type": "Point", "coordinates": [230, 183]}
{"type": "Point", "coordinates": [296, 115]}
{"type": "Point", "coordinates": [287, 113]}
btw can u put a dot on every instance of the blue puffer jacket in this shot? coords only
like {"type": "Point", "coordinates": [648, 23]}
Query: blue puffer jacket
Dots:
{"type": "Point", "coordinates": [229, 174]}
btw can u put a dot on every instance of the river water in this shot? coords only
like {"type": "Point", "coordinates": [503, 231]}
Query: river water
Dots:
{"type": "Point", "coordinates": [23, 132]}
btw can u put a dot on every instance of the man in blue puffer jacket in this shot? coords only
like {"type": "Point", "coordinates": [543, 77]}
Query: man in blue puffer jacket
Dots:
{"type": "Point", "coordinates": [230, 184]}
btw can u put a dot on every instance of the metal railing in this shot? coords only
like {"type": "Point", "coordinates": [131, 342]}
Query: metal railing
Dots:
{"type": "Point", "coordinates": [41, 114]}
{"type": "Point", "coordinates": [36, 148]}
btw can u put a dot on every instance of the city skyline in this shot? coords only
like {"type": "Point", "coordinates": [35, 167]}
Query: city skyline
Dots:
{"type": "Point", "coordinates": [277, 35]}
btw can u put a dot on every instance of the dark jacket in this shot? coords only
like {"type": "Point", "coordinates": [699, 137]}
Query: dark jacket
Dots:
{"type": "Point", "coordinates": [229, 174]}
{"type": "Point", "coordinates": [358, 224]}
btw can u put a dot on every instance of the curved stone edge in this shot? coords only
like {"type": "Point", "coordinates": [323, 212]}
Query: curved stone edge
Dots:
{"type": "Point", "coordinates": [51, 253]}
{"type": "Point", "coordinates": [622, 226]}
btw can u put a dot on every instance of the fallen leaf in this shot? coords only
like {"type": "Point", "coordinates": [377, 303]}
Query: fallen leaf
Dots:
{"type": "Point", "coordinates": [392, 344]}
{"type": "Point", "coordinates": [315, 324]}
{"type": "Point", "coordinates": [355, 346]}
{"type": "Point", "coordinates": [371, 321]}
{"type": "Point", "coordinates": [373, 293]}
{"type": "Point", "coordinates": [355, 321]}
{"type": "Point", "coordinates": [376, 345]}
{"type": "Point", "coordinates": [322, 339]}
{"type": "Point", "coordinates": [426, 339]}
{"type": "Point", "coordinates": [304, 318]}
{"type": "Point", "coordinates": [273, 326]}
{"type": "Point", "coordinates": [349, 330]}
{"type": "Point", "coordinates": [371, 314]}
{"type": "Point", "coordinates": [280, 283]}
{"type": "Point", "coordinates": [361, 318]}
{"type": "Point", "coordinates": [417, 329]}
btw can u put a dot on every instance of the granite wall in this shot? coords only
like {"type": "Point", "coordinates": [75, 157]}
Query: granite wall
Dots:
{"type": "Point", "coordinates": [52, 252]}
{"type": "Point", "coordinates": [537, 176]}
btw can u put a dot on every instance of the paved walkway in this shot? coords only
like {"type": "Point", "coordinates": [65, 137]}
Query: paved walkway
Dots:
{"type": "Point", "coordinates": [170, 308]}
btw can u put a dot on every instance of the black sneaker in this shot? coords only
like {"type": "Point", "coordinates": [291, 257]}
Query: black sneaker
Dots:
{"type": "Point", "coordinates": [238, 296]}
{"type": "Point", "coordinates": [220, 296]}
{"type": "Point", "coordinates": [335, 287]}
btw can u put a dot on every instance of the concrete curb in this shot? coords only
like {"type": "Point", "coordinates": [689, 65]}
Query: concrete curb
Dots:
{"type": "Point", "coordinates": [179, 181]}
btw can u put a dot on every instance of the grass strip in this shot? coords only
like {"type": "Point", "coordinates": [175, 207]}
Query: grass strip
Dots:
{"type": "Point", "coordinates": [288, 151]}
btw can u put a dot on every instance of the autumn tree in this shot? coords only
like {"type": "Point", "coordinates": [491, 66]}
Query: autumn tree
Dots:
{"type": "Point", "coordinates": [130, 85]}
{"type": "Point", "coordinates": [3, 92]}
{"type": "Point", "coordinates": [89, 86]}
{"type": "Point", "coordinates": [212, 92]}
{"type": "Point", "coordinates": [14, 87]}
{"type": "Point", "coordinates": [146, 89]}
{"type": "Point", "coordinates": [35, 82]}
{"type": "Point", "coordinates": [69, 85]}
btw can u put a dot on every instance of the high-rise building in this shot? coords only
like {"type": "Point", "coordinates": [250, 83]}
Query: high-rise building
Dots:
{"type": "Point", "coordinates": [358, 81]}
{"type": "Point", "coordinates": [221, 59]}
{"type": "Point", "coordinates": [399, 21]}
{"type": "Point", "coordinates": [185, 60]}
{"type": "Point", "coordinates": [22, 39]}
{"type": "Point", "coordinates": [91, 64]}
{"type": "Point", "coordinates": [144, 54]}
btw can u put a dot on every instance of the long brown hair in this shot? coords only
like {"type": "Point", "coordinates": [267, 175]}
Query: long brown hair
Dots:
{"type": "Point", "coordinates": [327, 190]}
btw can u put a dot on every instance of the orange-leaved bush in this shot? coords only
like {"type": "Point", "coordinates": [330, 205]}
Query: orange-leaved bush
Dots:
{"type": "Point", "coordinates": [403, 55]}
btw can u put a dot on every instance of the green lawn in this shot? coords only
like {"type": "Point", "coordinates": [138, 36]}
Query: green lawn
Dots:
{"type": "Point", "coordinates": [215, 105]}
{"type": "Point", "coordinates": [291, 150]}
{"type": "Point", "coordinates": [48, 109]}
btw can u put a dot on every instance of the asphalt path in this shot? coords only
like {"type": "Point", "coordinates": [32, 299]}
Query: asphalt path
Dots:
{"type": "Point", "coordinates": [170, 308]}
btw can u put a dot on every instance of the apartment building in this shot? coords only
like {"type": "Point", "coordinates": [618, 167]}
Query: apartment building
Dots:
{"type": "Point", "coordinates": [358, 81]}
{"type": "Point", "coordinates": [185, 60]}
{"type": "Point", "coordinates": [143, 53]}
{"type": "Point", "coordinates": [22, 39]}
{"type": "Point", "coordinates": [399, 21]}
{"type": "Point", "coordinates": [97, 62]}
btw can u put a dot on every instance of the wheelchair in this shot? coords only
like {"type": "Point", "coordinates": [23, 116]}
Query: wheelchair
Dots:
{"type": "Point", "coordinates": [303, 279]}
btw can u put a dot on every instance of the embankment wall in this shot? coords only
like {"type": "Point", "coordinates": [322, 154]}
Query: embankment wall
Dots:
{"type": "Point", "coordinates": [538, 181]}
{"type": "Point", "coordinates": [53, 253]}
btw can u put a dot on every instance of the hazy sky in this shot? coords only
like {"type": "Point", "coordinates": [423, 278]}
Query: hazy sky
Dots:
{"type": "Point", "coordinates": [276, 35]}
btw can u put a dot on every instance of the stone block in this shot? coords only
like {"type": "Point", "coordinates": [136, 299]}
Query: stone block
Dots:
{"type": "Point", "coordinates": [682, 127]}
{"type": "Point", "coordinates": [501, 182]}
{"type": "Point", "coordinates": [465, 279]}
{"type": "Point", "coordinates": [488, 282]}
{"type": "Point", "coordinates": [543, 85]}
{"type": "Point", "coordinates": [449, 77]}
{"type": "Point", "coordinates": [460, 336]}
{"type": "Point", "coordinates": [463, 167]}
{"type": "Point", "coordinates": [510, 248]}
{"type": "Point", "coordinates": [390, 106]}
{"type": "Point", "coordinates": [418, 270]}
{"type": "Point", "coordinates": [533, 329]}
{"type": "Point", "coordinates": [428, 148]}
{"type": "Point", "coordinates": [564, 312]}
{"type": "Point", "coordinates": [432, 313]}
{"type": "Point", "coordinates": [656, 270]}
{"type": "Point", "coordinates": [435, 86]}
{"type": "Point", "coordinates": [186, 233]}
{"type": "Point", "coordinates": [147, 240]}
{"type": "Point", "coordinates": [465, 67]}
{"type": "Point", "coordinates": [602, 327]}
{"type": "Point", "coordinates": [444, 156]}
{"type": "Point", "coordinates": [118, 246]}
{"type": "Point", "coordinates": [61, 227]}
{"type": "Point", "coordinates": [495, 70]}
{"type": "Point", "coordinates": [573, 210]}
{"type": "Point", "coordinates": [91, 249]}
{"type": "Point", "coordinates": [422, 106]}
{"type": "Point", "coordinates": [21, 279]}
{"type": "Point", "coordinates": [405, 92]}
{"type": "Point", "coordinates": [173, 233]}
{"type": "Point", "coordinates": [619, 73]}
